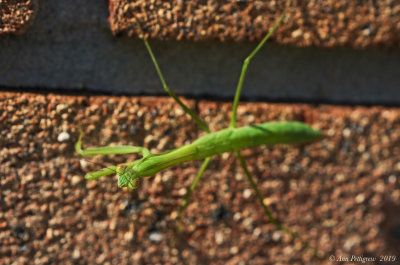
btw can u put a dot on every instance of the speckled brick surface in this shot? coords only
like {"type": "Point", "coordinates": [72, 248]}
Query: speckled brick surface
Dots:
{"type": "Point", "coordinates": [16, 16]}
{"type": "Point", "coordinates": [341, 194]}
{"type": "Point", "coordinates": [331, 23]}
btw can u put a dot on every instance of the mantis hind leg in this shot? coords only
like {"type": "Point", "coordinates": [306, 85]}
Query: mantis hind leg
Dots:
{"type": "Point", "coordinates": [267, 212]}
{"type": "Point", "coordinates": [244, 70]}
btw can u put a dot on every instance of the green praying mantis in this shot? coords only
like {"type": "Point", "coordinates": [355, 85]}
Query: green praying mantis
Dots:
{"type": "Point", "coordinates": [231, 139]}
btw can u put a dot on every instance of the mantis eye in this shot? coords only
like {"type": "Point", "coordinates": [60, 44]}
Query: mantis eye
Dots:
{"type": "Point", "coordinates": [133, 184]}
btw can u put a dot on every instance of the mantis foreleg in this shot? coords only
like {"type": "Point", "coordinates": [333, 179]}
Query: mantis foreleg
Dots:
{"type": "Point", "coordinates": [110, 150]}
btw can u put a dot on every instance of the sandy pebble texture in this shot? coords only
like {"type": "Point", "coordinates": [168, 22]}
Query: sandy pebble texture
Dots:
{"type": "Point", "coordinates": [331, 23]}
{"type": "Point", "coordinates": [16, 16]}
{"type": "Point", "coordinates": [341, 194]}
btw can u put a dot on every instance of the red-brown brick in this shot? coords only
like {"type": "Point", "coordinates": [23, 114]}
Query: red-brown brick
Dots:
{"type": "Point", "coordinates": [325, 23]}
{"type": "Point", "coordinates": [16, 16]}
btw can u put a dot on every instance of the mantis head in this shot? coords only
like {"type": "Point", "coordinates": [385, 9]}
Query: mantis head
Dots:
{"type": "Point", "coordinates": [127, 177]}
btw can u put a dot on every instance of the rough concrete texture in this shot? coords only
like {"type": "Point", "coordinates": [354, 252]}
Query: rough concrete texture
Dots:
{"type": "Point", "coordinates": [16, 16]}
{"type": "Point", "coordinates": [70, 48]}
{"type": "Point", "coordinates": [322, 23]}
{"type": "Point", "coordinates": [341, 194]}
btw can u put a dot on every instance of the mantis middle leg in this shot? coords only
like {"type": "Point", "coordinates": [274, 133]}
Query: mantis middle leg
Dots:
{"type": "Point", "coordinates": [194, 116]}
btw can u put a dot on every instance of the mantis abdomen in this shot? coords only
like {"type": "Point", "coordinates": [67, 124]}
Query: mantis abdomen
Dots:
{"type": "Point", "coordinates": [228, 140]}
